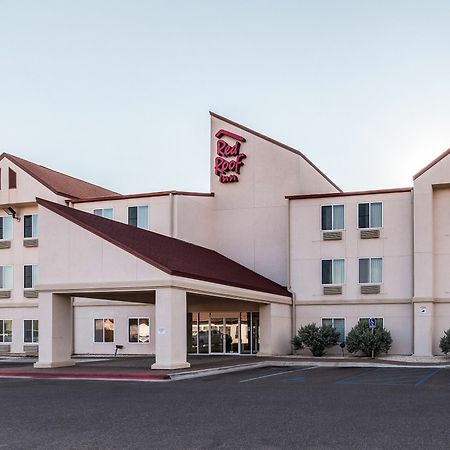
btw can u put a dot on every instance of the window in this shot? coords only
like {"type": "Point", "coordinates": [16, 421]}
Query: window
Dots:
{"type": "Point", "coordinates": [138, 216]}
{"type": "Point", "coordinates": [31, 331]}
{"type": "Point", "coordinates": [379, 321]}
{"type": "Point", "coordinates": [30, 226]}
{"type": "Point", "coordinates": [370, 215]}
{"type": "Point", "coordinates": [338, 324]}
{"type": "Point", "coordinates": [5, 330]}
{"type": "Point", "coordinates": [12, 179]}
{"type": "Point", "coordinates": [332, 217]}
{"type": "Point", "coordinates": [104, 212]}
{"type": "Point", "coordinates": [371, 270]}
{"type": "Point", "coordinates": [332, 271]}
{"type": "Point", "coordinates": [103, 330]}
{"type": "Point", "coordinates": [6, 278]}
{"type": "Point", "coordinates": [5, 228]}
{"type": "Point", "coordinates": [139, 330]}
{"type": "Point", "coordinates": [30, 276]}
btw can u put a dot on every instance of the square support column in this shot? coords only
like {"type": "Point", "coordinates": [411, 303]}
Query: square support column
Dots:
{"type": "Point", "coordinates": [55, 331]}
{"type": "Point", "coordinates": [276, 325]}
{"type": "Point", "coordinates": [423, 328]}
{"type": "Point", "coordinates": [171, 330]}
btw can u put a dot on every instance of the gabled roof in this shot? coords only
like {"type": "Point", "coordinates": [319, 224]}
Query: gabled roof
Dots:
{"type": "Point", "coordinates": [279, 144]}
{"type": "Point", "coordinates": [173, 256]}
{"type": "Point", "coordinates": [432, 163]}
{"type": "Point", "coordinates": [57, 182]}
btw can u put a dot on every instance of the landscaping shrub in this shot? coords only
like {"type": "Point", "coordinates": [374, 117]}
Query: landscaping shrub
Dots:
{"type": "Point", "coordinates": [317, 339]}
{"type": "Point", "coordinates": [444, 344]}
{"type": "Point", "coordinates": [370, 342]}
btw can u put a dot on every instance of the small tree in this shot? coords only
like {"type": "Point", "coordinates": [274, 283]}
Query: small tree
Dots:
{"type": "Point", "coordinates": [444, 344]}
{"type": "Point", "coordinates": [317, 339]}
{"type": "Point", "coordinates": [370, 342]}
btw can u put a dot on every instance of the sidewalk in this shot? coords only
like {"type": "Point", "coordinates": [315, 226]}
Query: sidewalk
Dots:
{"type": "Point", "coordinates": [138, 368]}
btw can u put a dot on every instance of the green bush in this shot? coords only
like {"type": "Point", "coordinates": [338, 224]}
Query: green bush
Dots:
{"type": "Point", "coordinates": [370, 342]}
{"type": "Point", "coordinates": [317, 339]}
{"type": "Point", "coordinates": [444, 344]}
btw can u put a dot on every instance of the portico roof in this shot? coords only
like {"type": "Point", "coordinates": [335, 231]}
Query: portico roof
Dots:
{"type": "Point", "coordinates": [172, 256]}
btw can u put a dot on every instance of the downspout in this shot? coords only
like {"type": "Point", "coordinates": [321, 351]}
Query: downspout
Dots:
{"type": "Point", "coordinates": [289, 287]}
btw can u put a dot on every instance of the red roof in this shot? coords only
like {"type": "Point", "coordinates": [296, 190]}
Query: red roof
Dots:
{"type": "Point", "coordinates": [58, 182]}
{"type": "Point", "coordinates": [173, 256]}
{"type": "Point", "coordinates": [432, 163]}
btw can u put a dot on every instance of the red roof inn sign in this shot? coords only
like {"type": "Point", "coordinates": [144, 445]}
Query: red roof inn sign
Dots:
{"type": "Point", "coordinates": [229, 158]}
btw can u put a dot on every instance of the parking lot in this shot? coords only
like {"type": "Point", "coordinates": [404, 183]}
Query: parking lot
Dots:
{"type": "Point", "coordinates": [267, 408]}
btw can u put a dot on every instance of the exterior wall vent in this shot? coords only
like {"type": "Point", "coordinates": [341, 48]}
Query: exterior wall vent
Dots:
{"type": "Point", "coordinates": [370, 289]}
{"type": "Point", "coordinates": [30, 242]}
{"type": "Point", "coordinates": [332, 290]}
{"type": "Point", "coordinates": [31, 349]}
{"type": "Point", "coordinates": [332, 235]}
{"type": "Point", "coordinates": [30, 293]}
{"type": "Point", "coordinates": [5, 348]}
{"type": "Point", "coordinates": [5, 294]}
{"type": "Point", "coordinates": [5, 244]}
{"type": "Point", "coordinates": [370, 234]}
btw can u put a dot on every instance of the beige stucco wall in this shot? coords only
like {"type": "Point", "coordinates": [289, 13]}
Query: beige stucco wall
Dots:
{"type": "Point", "coordinates": [250, 216]}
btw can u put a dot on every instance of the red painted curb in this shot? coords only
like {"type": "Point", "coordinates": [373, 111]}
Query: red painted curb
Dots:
{"type": "Point", "coordinates": [106, 376]}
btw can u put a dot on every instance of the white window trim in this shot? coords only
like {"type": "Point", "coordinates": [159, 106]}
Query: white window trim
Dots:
{"type": "Point", "coordinates": [369, 227]}
{"type": "Point", "coordinates": [12, 229]}
{"type": "Point", "coordinates": [321, 272]}
{"type": "Point", "coordinates": [34, 233]}
{"type": "Point", "coordinates": [32, 329]}
{"type": "Point", "coordinates": [333, 319]}
{"type": "Point", "coordinates": [332, 217]}
{"type": "Point", "coordinates": [370, 268]}
{"type": "Point", "coordinates": [12, 279]}
{"type": "Point", "coordinates": [148, 215]}
{"type": "Point", "coordinates": [93, 330]}
{"type": "Point", "coordinates": [2, 332]}
{"type": "Point", "coordinates": [102, 209]}
{"type": "Point", "coordinates": [149, 332]}
{"type": "Point", "coordinates": [33, 280]}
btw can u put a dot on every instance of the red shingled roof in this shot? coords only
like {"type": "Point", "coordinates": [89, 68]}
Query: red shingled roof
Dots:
{"type": "Point", "coordinates": [173, 256]}
{"type": "Point", "coordinates": [58, 182]}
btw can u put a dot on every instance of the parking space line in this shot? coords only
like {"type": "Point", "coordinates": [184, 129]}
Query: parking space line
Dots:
{"type": "Point", "coordinates": [427, 377]}
{"type": "Point", "coordinates": [278, 373]}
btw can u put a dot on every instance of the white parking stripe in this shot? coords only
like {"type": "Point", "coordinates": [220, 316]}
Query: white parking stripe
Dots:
{"type": "Point", "coordinates": [278, 373]}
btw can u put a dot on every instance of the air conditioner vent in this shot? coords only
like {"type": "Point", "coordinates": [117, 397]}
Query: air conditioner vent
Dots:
{"type": "Point", "coordinates": [5, 348]}
{"type": "Point", "coordinates": [5, 294]}
{"type": "Point", "coordinates": [31, 349]}
{"type": "Point", "coordinates": [332, 235]}
{"type": "Point", "coordinates": [370, 289]}
{"type": "Point", "coordinates": [370, 234]}
{"type": "Point", "coordinates": [332, 290]}
{"type": "Point", "coordinates": [30, 293]}
{"type": "Point", "coordinates": [5, 244]}
{"type": "Point", "coordinates": [30, 242]}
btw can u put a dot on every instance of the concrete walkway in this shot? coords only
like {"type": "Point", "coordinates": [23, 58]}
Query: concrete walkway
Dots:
{"type": "Point", "coordinates": [138, 368]}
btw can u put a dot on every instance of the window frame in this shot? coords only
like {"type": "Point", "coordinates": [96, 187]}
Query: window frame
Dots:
{"type": "Point", "coordinates": [370, 271]}
{"type": "Point", "coordinates": [102, 210]}
{"type": "Point", "coordinates": [332, 216]}
{"type": "Point", "coordinates": [34, 276]}
{"type": "Point", "coordinates": [149, 329]}
{"type": "Point", "coordinates": [332, 324]}
{"type": "Point", "coordinates": [370, 214]}
{"type": "Point", "coordinates": [2, 278]}
{"type": "Point", "coordinates": [376, 318]}
{"type": "Point", "coordinates": [34, 226]}
{"type": "Point", "coordinates": [2, 218]}
{"type": "Point", "coordinates": [2, 331]}
{"type": "Point", "coordinates": [137, 217]}
{"type": "Point", "coordinates": [332, 272]}
{"type": "Point", "coordinates": [103, 330]}
{"type": "Point", "coordinates": [32, 331]}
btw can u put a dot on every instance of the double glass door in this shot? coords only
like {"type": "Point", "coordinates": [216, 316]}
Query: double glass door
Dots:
{"type": "Point", "coordinates": [215, 333]}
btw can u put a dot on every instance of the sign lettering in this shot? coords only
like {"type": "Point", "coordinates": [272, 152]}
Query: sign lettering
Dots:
{"type": "Point", "coordinates": [230, 158]}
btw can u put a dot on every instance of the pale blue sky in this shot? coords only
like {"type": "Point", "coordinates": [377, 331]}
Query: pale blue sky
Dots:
{"type": "Point", "coordinates": [118, 92]}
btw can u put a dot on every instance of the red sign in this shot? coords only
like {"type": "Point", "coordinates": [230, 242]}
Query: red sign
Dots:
{"type": "Point", "coordinates": [230, 158]}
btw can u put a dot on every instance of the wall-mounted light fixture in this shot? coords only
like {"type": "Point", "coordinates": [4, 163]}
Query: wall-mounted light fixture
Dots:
{"type": "Point", "coordinates": [12, 212]}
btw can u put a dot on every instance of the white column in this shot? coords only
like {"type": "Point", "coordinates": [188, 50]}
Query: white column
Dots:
{"type": "Point", "coordinates": [276, 324]}
{"type": "Point", "coordinates": [423, 328]}
{"type": "Point", "coordinates": [55, 331]}
{"type": "Point", "coordinates": [170, 335]}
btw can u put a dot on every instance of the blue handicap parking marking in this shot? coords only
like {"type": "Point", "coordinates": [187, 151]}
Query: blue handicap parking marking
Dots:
{"type": "Point", "coordinates": [293, 380]}
{"type": "Point", "coordinates": [391, 376]}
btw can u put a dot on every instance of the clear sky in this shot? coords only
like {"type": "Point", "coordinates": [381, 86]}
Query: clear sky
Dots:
{"type": "Point", "coordinates": [117, 92]}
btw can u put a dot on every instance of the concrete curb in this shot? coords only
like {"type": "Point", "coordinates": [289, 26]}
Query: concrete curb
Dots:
{"type": "Point", "coordinates": [85, 376]}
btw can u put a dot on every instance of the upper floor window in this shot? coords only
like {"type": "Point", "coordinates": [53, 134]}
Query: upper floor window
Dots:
{"type": "Point", "coordinates": [12, 179]}
{"type": "Point", "coordinates": [5, 330]}
{"type": "Point", "coordinates": [332, 217]}
{"type": "Point", "coordinates": [138, 216]}
{"type": "Point", "coordinates": [30, 226]}
{"type": "Point", "coordinates": [6, 277]}
{"type": "Point", "coordinates": [5, 228]}
{"type": "Point", "coordinates": [370, 215]}
{"type": "Point", "coordinates": [30, 274]}
{"type": "Point", "coordinates": [107, 213]}
{"type": "Point", "coordinates": [332, 271]}
{"type": "Point", "coordinates": [371, 270]}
